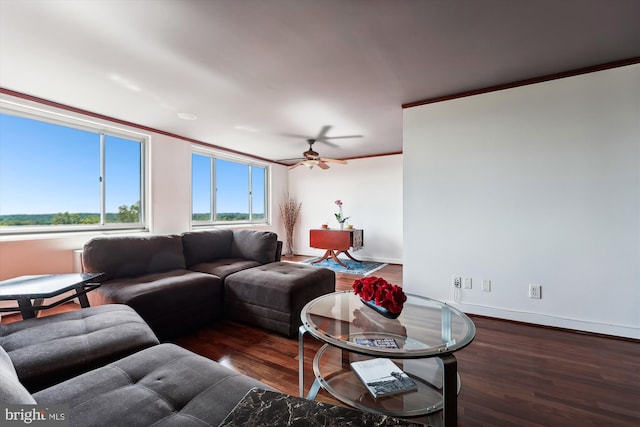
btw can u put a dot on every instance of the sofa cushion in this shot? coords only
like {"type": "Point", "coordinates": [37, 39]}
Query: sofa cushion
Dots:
{"type": "Point", "coordinates": [164, 385]}
{"type": "Point", "coordinates": [11, 390]}
{"type": "Point", "coordinates": [272, 295]}
{"type": "Point", "coordinates": [204, 246]}
{"type": "Point", "coordinates": [259, 246]}
{"type": "Point", "coordinates": [281, 286]}
{"type": "Point", "coordinates": [126, 256]}
{"type": "Point", "coordinates": [171, 302]}
{"type": "Point", "coordinates": [224, 267]}
{"type": "Point", "coordinates": [47, 350]}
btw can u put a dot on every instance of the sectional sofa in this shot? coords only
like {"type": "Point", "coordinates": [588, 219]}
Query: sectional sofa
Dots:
{"type": "Point", "coordinates": [103, 366]}
{"type": "Point", "coordinates": [180, 282]}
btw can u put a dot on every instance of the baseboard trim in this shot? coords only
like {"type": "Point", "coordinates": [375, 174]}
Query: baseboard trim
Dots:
{"type": "Point", "coordinates": [552, 321]}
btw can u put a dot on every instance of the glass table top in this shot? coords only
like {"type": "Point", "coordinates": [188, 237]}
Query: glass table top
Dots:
{"type": "Point", "coordinates": [44, 286]}
{"type": "Point", "coordinates": [425, 328]}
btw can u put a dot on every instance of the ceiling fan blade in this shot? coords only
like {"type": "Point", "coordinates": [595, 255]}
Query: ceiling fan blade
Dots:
{"type": "Point", "coordinates": [342, 137]}
{"type": "Point", "coordinates": [296, 165]}
{"type": "Point", "coordinates": [322, 165]}
{"type": "Point", "coordinates": [324, 141]}
{"type": "Point", "coordinates": [327, 139]}
{"type": "Point", "coordinates": [342, 162]}
{"type": "Point", "coordinates": [323, 133]}
{"type": "Point", "coordinates": [297, 159]}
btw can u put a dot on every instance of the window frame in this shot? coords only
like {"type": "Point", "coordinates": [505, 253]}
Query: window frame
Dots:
{"type": "Point", "coordinates": [213, 156]}
{"type": "Point", "coordinates": [102, 130]}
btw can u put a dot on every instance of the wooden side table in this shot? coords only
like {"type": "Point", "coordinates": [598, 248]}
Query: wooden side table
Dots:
{"type": "Point", "coordinates": [336, 242]}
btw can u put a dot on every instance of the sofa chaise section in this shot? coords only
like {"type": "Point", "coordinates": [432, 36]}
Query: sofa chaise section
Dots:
{"type": "Point", "coordinates": [48, 350]}
{"type": "Point", "coordinates": [164, 385]}
{"type": "Point", "coordinates": [272, 295]}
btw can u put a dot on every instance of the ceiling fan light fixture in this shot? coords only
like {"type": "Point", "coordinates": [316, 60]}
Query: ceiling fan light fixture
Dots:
{"type": "Point", "coordinates": [310, 163]}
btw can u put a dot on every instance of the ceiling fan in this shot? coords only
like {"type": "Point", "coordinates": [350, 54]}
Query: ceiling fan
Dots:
{"type": "Point", "coordinates": [311, 158]}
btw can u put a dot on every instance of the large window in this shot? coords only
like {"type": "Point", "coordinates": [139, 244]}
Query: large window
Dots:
{"type": "Point", "coordinates": [227, 191]}
{"type": "Point", "coordinates": [57, 176]}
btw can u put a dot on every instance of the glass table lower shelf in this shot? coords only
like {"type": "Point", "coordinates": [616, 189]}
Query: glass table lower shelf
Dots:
{"type": "Point", "coordinates": [332, 369]}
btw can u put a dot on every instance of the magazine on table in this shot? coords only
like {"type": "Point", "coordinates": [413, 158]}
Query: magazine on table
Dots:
{"type": "Point", "coordinates": [382, 377]}
{"type": "Point", "coordinates": [378, 342]}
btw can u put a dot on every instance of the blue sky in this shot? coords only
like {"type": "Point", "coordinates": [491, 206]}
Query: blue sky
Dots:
{"type": "Point", "coordinates": [233, 183]}
{"type": "Point", "coordinates": [46, 168]}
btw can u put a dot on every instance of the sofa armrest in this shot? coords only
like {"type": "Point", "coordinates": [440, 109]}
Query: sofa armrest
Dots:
{"type": "Point", "coordinates": [259, 246]}
{"type": "Point", "coordinates": [278, 251]}
{"type": "Point", "coordinates": [11, 390]}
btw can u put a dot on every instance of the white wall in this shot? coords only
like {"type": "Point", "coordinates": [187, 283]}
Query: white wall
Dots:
{"type": "Point", "coordinates": [538, 184]}
{"type": "Point", "coordinates": [170, 169]}
{"type": "Point", "coordinates": [371, 190]}
{"type": "Point", "coordinates": [170, 212]}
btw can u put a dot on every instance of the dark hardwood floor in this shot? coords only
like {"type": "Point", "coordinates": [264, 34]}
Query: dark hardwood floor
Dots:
{"type": "Point", "coordinates": [512, 374]}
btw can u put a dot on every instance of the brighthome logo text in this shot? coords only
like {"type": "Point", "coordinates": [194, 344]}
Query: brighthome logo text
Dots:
{"type": "Point", "coordinates": [36, 415]}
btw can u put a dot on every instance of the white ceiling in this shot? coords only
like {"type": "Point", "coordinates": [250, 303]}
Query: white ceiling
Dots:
{"type": "Point", "coordinates": [254, 71]}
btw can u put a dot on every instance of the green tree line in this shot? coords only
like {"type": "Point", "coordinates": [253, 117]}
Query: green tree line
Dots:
{"type": "Point", "coordinates": [226, 216]}
{"type": "Point", "coordinates": [125, 214]}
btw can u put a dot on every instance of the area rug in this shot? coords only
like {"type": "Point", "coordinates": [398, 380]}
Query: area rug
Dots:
{"type": "Point", "coordinates": [363, 268]}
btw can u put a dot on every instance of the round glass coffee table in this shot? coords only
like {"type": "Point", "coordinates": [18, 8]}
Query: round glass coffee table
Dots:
{"type": "Point", "coordinates": [426, 335]}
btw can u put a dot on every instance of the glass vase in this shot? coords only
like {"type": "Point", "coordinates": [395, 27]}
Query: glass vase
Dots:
{"type": "Point", "coordinates": [289, 244]}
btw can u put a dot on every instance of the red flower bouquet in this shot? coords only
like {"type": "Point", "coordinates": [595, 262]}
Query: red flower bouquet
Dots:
{"type": "Point", "coordinates": [383, 294]}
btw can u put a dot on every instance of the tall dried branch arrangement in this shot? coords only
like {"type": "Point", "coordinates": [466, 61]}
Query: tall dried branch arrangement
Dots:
{"type": "Point", "coordinates": [289, 212]}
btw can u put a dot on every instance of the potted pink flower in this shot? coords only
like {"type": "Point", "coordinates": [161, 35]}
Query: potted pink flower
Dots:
{"type": "Point", "coordinates": [339, 216]}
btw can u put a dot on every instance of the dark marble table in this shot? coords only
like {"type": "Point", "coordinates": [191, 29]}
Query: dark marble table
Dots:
{"type": "Point", "coordinates": [268, 408]}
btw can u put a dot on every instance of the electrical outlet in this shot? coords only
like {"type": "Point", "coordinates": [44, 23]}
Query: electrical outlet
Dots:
{"type": "Point", "coordinates": [456, 281]}
{"type": "Point", "coordinates": [535, 291]}
{"type": "Point", "coordinates": [486, 285]}
{"type": "Point", "coordinates": [467, 283]}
